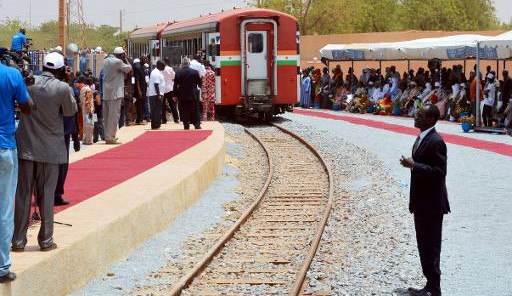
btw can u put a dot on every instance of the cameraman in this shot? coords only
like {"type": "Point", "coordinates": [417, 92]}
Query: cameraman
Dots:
{"type": "Point", "coordinates": [19, 42]}
{"type": "Point", "coordinates": [40, 151]}
{"type": "Point", "coordinates": [12, 89]}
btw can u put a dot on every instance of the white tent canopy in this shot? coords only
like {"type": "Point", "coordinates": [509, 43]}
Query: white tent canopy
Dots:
{"type": "Point", "coordinates": [445, 48]}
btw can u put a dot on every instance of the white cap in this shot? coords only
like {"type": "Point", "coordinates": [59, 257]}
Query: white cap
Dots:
{"type": "Point", "coordinates": [59, 48]}
{"type": "Point", "coordinates": [437, 84]}
{"type": "Point", "coordinates": [146, 65]}
{"type": "Point", "coordinates": [136, 61]}
{"type": "Point", "coordinates": [118, 50]}
{"type": "Point", "coordinates": [98, 49]}
{"type": "Point", "coordinates": [490, 76]}
{"type": "Point", "coordinates": [54, 60]}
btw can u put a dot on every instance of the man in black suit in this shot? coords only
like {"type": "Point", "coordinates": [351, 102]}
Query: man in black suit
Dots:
{"type": "Point", "coordinates": [186, 85]}
{"type": "Point", "coordinates": [428, 196]}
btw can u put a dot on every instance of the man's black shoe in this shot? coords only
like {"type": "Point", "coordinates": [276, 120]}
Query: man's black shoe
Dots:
{"type": "Point", "coordinates": [9, 277]}
{"type": "Point", "coordinates": [415, 290]}
{"type": "Point", "coordinates": [59, 201]}
{"type": "Point", "coordinates": [18, 249]}
{"type": "Point", "coordinates": [422, 292]}
{"type": "Point", "coordinates": [52, 246]}
{"type": "Point", "coordinates": [197, 127]}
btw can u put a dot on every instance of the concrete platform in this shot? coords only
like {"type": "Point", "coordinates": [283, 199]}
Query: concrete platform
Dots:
{"type": "Point", "coordinates": [108, 226]}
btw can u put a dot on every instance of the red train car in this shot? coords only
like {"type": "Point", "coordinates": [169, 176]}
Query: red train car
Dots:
{"type": "Point", "coordinates": [255, 53]}
{"type": "Point", "coordinates": [146, 41]}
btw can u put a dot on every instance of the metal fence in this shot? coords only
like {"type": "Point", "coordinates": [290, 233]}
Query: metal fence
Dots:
{"type": "Point", "coordinates": [77, 63]}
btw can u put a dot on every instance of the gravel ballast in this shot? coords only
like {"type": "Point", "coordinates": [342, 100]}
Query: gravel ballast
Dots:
{"type": "Point", "coordinates": [369, 247]}
{"type": "Point", "coordinates": [164, 258]}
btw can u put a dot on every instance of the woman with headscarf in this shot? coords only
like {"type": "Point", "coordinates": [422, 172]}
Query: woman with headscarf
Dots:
{"type": "Point", "coordinates": [305, 90]}
{"type": "Point", "coordinates": [316, 86]}
{"type": "Point", "coordinates": [325, 89]}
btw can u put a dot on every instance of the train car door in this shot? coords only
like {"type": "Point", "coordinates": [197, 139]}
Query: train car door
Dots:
{"type": "Point", "coordinates": [257, 62]}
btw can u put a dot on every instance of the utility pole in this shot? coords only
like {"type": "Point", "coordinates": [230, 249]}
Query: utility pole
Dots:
{"type": "Point", "coordinates": [30, 15]}
{"type": "Point", "coordinates": [68, 18]}
{"type": "Point", "coordinates": [81, 22]}
{"type": "Point", "coordinates": [120, 21]}
{"type": "Point", "coordinates": [62, 23]}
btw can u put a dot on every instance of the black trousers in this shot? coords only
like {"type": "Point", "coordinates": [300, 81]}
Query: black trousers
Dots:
{"type": "Point", "coordinates": [429, 230]}
{"type": "Point", "coordinates": [172, 105]}
{"type": "Point", "coordinates": [189, 113]}
{"type": "Point", "coordinates": [156, 111]}
{"type": "Point", "coordinates": [63, 171]}
{"type": "Point", "coordinates": [139, 105]}
{"type": "Point", "coordinates": [122, 114]}
{"type": "Point", "coordinates": [98, 132]}
{"type": "Point", "coordinates": [487, 115]}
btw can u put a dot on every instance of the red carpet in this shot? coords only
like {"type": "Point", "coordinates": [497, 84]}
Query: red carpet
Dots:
{"type": "Point", "coordinates": [93, 175]}
{"type": "Point", "coordinates": [500, 148]}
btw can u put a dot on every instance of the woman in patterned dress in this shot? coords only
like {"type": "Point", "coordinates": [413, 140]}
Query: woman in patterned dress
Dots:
{"type": "Point", "coordinates": [208, 92]}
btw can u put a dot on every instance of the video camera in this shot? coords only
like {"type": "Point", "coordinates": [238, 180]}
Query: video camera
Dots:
{"type": "Point", "coordinates": [17, 61]}
{"type": "Point", "coordinates": [14, 60]}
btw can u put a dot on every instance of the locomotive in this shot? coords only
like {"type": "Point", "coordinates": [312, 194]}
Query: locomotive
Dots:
{"type": "Point", "coordinates": [255, 53]}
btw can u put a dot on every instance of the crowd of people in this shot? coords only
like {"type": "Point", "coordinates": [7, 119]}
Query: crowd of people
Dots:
{"type": "Point", "coordinates": [59, 106]}
{"type": "Point", "coordinates": [390, 93]}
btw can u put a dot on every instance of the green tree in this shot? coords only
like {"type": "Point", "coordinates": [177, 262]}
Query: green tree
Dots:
{"type": "Point", "coordinates": [314, 16]}
{"type": "Point", "coordinates": [8, 28]}
{"type": "Point", "coordinates": [45, 36]}
{"type": "Point", "coordinates": [343, 16]}
{"type": "Point", "coordinates": [449, 15]}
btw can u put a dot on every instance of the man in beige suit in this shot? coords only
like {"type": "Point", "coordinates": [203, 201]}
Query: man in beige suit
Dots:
{"type": "Point", "coordinates": [116, 67]}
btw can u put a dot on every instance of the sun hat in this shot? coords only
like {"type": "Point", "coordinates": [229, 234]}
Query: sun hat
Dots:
{"type": "Point", "coordinates": [53, 60]}
{"type": "Point", "coordinates": [118, 50]}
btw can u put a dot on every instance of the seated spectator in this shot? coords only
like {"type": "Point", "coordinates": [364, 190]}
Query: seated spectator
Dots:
{"type": "Point", "coordinates": [360, 100]}
{"type": "Point", "coordinates": [384, 106]}
{"type": "Point", "coordinates": [412, 101]}
{"type": "Point", "coordinates": [378, 93]}
{"type": "Point", "coordinates": [340, 100]}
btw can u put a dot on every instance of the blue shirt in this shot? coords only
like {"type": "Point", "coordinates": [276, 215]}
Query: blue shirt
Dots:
{"type": "Point", "coordinates": [12, 88]}
{"type": "Point", "coordinates": [18, 41]}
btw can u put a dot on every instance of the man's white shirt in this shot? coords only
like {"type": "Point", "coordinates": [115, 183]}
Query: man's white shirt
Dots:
{"type": "Point", "coordinates": [198, 67]}
{"type": "Point", "coordinates": [423, 134]}
{"type": "Point", "coordinates": [156, 77]}
{"type": "Point", "coordinates": [169, 78]}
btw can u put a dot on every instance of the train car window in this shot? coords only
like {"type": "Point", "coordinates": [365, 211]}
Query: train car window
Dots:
{"type": "Point", "coordinates": [255, 43]}
{"type": "Point", "coordinates": [212, 49]}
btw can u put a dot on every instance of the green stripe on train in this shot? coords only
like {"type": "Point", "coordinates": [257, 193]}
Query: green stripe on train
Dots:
{"type": "Point", "coordinates": [230, 63]}
{"type": "Point", "coordinates": [287, 63]}
{"type": "Point", "coordinates": [279, 63]}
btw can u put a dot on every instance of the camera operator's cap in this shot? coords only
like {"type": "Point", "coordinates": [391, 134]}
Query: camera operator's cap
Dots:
{"type": "Point", "coordinates": [118, 50]}
{"type": "Point", "coordinates": [54, 60]}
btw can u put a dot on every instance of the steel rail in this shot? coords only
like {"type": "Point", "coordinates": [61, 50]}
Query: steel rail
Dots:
{"type": "Point", "coordinates": [302, 273]}
{"type": "Point", "coordinates": [214, 250]}
{"type": "Point", "coordinates": [300, 277]}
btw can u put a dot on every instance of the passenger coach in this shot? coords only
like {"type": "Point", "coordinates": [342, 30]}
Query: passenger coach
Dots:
{"type": "Point", "coordinates": [255, 53]}
{"type": "Point", "coordinates": [146, 41]}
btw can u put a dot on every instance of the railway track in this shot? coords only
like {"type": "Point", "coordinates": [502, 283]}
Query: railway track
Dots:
{"type": "Point", "coordinates": [269, 249]}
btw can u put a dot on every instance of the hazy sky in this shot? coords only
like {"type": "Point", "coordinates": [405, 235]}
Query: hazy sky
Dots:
{"type": "Point", "coordinates": [136, 12]}
{"type": "Point", "coordinates": [144, 12]}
